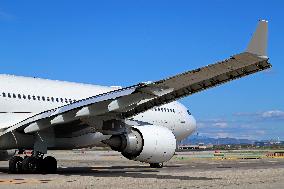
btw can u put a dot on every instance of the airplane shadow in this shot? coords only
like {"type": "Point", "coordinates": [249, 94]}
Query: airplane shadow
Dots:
{"type": "Point", "coordinates": [120, 171]}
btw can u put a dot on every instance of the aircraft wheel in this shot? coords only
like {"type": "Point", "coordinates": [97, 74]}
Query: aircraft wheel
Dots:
{"type": "Point", "coordinates": [32, 165]}
{"type": "Point", "coordinates": [15, 164]}
{"type": "Point", "coordinates": [50, 165]}
{"type": "Point", "coordinates": [156, 165]}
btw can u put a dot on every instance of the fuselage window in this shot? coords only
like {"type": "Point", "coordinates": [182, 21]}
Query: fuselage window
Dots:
{"type": "Point", "coordinates": [47, 98]}
{"type": "Point", "coordinates": [14, 96]}
{"type": "Point", "coordinates": [66, 100]}
{"type": "Point", "coordinates": [24, 96]}
{"type": "Point", "coordinates": [38, 97]}
{"type": "Point", "coordinates": [174, 110]}
{"type": "Point", "coordinates": [70, 100]}
{"type": "Point", "coordinates": [29, 97]}
{"type": "Point", "coordinates": [61, 99]}
{"type": "Point", "coordinates": [52, 99]}
{"type": "Point", "coordinates": [43, 98]}
{"type": "Point", "coordinates": [189, 113]}
{"type": "Point", "coordinates": [3, 94]}
{"type": "Point", "coordinates": [34, 98]}
{"type": "Point", "coordinates": [9, 95]}
{"type": "Point", "coordinates": [57, 100]}
{"type": "Point", "coordinates": [19, 96]}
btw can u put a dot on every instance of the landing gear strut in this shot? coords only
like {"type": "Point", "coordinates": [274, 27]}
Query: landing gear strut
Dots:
{"type": "Point", "coordinates": [156, 165]}
{"type": "Point", "coordinates": [33, 164]}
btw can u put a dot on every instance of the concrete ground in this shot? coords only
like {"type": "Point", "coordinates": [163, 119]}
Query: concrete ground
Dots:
{"type": "Point", "coordinates": [102, 169]}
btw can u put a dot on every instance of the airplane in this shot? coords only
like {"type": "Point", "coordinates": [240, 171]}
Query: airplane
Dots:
{"type": "Point", "coordinates": [143, 122]}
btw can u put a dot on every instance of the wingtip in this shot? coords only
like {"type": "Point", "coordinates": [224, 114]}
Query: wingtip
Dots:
{"type": "Point", "coordinates": [258, 43]}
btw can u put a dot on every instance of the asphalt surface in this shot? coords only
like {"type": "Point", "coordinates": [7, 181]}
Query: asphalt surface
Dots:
{"type": "Point", "coordinates": [101, 169]}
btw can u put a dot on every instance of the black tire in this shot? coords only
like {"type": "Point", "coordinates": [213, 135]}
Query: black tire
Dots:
{"type": "Point", "coordinates": [32, 165]}
{"type": "Point", "coordinates": [156, 165]}
{"type": "Point", "coordinates": [50, 165]}
{"type": "Point", "coordinates": [15, 164]}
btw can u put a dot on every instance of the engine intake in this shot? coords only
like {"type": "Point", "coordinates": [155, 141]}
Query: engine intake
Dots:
{"type": "Point", "coordinates": [148, 143]}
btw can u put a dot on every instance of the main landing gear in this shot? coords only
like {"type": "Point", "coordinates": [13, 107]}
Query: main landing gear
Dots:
{"type": "Point", "coordinates": [33, 164]}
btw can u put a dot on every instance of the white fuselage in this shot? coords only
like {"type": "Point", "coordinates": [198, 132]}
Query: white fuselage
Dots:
{"type": "Point", "coordinates": [22, 97]}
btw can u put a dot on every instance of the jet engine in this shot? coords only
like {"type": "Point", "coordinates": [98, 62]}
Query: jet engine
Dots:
{"type": "Point", "coordinates": [147, 143]}
{"type": "Point", "coordinates": [6, 154]}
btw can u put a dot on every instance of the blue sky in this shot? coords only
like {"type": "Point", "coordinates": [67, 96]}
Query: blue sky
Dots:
{"type": "Point", "coordinates": [126, 42]}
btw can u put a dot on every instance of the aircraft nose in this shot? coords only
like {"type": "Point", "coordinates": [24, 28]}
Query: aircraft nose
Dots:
{"type": "Point", "coordinates": [188, 128]}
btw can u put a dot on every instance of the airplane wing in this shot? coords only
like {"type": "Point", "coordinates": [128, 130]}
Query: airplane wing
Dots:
{"type": "Point", "coordinates": [127, 102]}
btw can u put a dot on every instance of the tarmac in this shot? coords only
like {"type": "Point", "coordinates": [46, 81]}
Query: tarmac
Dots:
{"type": "Point", "coordinates": [108, 169]}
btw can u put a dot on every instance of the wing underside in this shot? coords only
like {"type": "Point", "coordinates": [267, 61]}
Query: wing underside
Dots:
{"type": "Point", "coordinates": [201, 79]}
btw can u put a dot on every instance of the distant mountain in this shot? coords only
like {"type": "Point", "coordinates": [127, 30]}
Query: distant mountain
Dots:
{"type": "Point", "coordinates": [195, 139]}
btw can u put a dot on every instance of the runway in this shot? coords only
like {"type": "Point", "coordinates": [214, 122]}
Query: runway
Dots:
{"type": "Point", "coordinates": [103, 169]}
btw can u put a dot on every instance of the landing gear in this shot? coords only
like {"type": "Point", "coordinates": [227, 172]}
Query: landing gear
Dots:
{"type": "Point", "coordinates": [33, 164]}
{"type": "Point", "coordinates": [156, 165]}
{"type": "Point", "coordinates": [50, 165]}
{"type": "Point", "coordinates": [15, 164]}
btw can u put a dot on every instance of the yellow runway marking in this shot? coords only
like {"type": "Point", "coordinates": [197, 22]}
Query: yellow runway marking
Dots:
{"type": "Point", "coordinates": [23, 181]}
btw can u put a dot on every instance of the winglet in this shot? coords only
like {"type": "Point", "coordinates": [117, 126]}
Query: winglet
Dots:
{"type": "Point", "coordinates": [258, 43]}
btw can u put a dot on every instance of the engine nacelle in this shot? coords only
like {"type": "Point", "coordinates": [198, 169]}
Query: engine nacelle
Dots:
{"type": "Point", "coordinates": [6, 154]}
{"type": "Point", "coordinates": [148, 143]}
